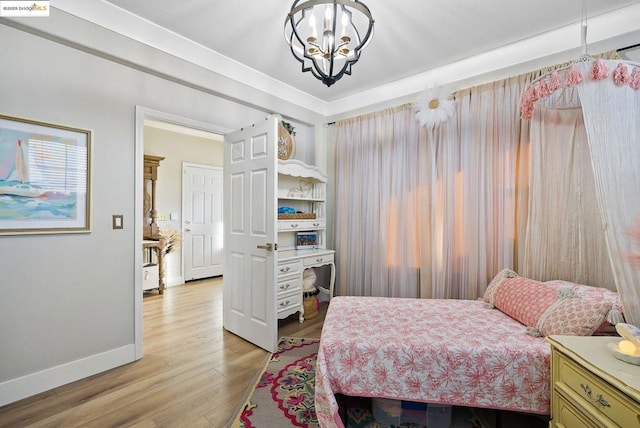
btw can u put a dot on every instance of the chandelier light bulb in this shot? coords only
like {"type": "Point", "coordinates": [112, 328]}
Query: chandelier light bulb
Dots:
{"type": "Point", "coordinates": [345, 20]}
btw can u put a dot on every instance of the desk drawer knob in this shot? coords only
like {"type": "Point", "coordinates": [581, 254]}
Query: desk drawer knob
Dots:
{"type": "Point", "coordinates": [319, 259]}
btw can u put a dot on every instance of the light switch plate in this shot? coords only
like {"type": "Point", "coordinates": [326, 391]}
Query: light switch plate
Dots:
{"type": "Point", "coordinates": [118, 221]}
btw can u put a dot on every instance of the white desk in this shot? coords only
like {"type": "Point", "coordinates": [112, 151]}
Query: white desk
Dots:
{"type": "Point", "coordinates": [291, 266]}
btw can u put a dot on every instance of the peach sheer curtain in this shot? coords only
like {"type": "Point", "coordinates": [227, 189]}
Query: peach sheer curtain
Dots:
{"type": "Point", "coordinates": [432, 214]}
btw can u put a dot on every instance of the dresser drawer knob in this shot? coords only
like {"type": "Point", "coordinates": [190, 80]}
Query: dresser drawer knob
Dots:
{"type": "Point", "coordinates": [284, 304]}
{"type": "Point", "coordinates": [285, 286]}
{"type": "Point", "coordinates": [285, 269]}
{"type": "Point", "coordinates": [319, 259]}
{"type": "Point", "coordinates": [599, 399]}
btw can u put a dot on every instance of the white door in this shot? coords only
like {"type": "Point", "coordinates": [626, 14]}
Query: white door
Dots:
{"type": "Point", "coordinates": [202, 221]}
{"type": "Point", "coordinates": [249, 308]}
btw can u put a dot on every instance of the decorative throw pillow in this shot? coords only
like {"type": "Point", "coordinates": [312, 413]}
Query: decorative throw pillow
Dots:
{"type": "Point", "coordinates": [552, 307]}
{"type": "Point", "coordinates": [614, 316]}
{"type": "Point", "coordinates": [495, 284]}
{"type": "Point", "coordinates": [572, 316]}
{"type": "Point", "coordinates": [525, 299]}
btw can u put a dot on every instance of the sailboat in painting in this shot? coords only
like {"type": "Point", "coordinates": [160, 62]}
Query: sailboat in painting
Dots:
{"type": "Point", "coordinates": [17, 182]}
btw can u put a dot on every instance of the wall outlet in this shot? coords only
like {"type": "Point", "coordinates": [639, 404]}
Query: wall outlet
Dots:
{"type": "Point", "coordinates": [162, 217]}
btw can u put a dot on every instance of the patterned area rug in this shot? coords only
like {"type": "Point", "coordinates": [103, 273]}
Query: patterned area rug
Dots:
{"type": "Point", "coordinates": [284, 393]}
{"type": "Point", "coordinates": [283, 396]}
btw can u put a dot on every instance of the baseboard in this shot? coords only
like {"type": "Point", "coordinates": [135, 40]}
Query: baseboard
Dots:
{"type": "Point", "coordinates": [35, 383]}
{"type": "Point", "coordinates": [175, 280]}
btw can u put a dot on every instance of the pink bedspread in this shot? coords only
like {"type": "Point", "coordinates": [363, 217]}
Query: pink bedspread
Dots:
{"type": "Point", "coordinates": [454, 352]}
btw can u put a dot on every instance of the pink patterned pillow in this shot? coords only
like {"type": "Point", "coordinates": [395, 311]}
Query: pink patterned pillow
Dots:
{"type": "Point", "coordinates": [493, 286]}
{"type": "Point", "coordinates": [599, 294]}
{"type": "Point", "coordinates": [524, 299]}
{"type": "Point", "coordinates": [573, 316]}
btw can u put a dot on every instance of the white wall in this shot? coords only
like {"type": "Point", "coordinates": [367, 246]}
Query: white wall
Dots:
{"type": "Point", "coordinates": [67, 306]}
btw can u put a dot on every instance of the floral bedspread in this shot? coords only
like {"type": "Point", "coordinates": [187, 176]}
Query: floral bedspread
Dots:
{"type": "Point", "coordinates": [455, 352]}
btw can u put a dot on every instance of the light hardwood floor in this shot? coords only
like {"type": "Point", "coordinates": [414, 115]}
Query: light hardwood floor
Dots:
{"type": "Point", "coordinates": [193, 374]}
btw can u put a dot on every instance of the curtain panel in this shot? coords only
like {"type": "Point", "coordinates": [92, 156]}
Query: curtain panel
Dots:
{"type": "Point", "coordinates": [612, 119]}
{"type": "Point", "coordinates": [431, 214]}
{"type": "Point", "coordinates": [436, 214]}
{"type": "Point", "coordinates": [564, 238]}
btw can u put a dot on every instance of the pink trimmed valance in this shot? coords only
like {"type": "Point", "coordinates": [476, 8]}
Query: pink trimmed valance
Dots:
{"type": "Point", "coordinates": [550, 83]}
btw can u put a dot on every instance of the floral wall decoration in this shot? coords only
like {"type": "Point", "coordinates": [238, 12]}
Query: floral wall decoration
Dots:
{"type": "Point", "coordinates": [433, 108]}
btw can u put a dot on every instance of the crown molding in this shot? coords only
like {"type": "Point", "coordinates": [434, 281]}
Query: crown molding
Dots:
{"type": "Point", "coordinates": [609, 31]}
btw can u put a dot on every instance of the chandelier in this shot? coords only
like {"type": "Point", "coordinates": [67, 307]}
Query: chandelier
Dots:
{"type": "Point", "coordinates": [327, 36]}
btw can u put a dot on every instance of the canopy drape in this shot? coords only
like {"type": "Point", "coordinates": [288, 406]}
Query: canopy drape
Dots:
{"type": "Point", "coordinates": [606, 94]}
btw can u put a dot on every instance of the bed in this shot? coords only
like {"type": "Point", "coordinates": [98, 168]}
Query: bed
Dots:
{"type": "Point", "coordinates": [453, 352]}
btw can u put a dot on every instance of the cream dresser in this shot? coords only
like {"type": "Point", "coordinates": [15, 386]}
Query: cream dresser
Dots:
{"type": "Point", "coordinates": [590, 387]}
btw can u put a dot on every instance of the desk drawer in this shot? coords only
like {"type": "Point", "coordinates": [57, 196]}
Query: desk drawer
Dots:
{"type": "Point", "coordinates": [288, 268]}
{"type": "Point", "coordinates": [594, 394]}
{"type": "Point", "coordinates": [288, 284]}
{"type": "Point", "coordinates": [318, 260]}
{"type": "Point", "coordinates": [301, 224]}
{"type": "Point", "coordinates": [289, 301]}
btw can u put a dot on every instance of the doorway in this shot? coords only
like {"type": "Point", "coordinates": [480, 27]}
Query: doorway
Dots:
{"type": "Point", "coordinates": [169, 215]}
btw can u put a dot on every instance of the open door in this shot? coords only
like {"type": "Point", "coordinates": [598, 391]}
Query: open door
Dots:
{"type": "Point", "coordinates": [249, 301]}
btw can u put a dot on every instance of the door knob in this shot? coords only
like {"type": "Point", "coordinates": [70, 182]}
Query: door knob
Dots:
{"type": "Point", "coordinates": [268, 246]}
{"type": "Point", "coordinates": [187, 230]}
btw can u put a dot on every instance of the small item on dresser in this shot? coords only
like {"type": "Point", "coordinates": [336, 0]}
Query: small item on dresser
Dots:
{"type": "Point", "coordinates": [627, 350]}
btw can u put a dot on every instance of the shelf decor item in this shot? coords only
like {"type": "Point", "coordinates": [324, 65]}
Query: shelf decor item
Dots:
{"type": "Point", "coordinates": [45, 178]}
{"type": "Point", "coordinates": [306, 240]}
{"type": "Point", "coordinates": [297, 216]}
{"type": "Point", "coordinates": [286, 143]}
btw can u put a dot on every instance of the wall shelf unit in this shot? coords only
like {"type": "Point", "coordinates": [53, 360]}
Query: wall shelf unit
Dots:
{"type": "Point", "coordinates": [302, 188]}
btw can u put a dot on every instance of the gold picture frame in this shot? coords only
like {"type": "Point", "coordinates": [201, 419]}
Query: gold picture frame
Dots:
{"type": "Point", "coordinates": [45, 178]}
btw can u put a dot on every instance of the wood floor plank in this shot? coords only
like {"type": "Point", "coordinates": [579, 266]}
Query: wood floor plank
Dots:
{"type": "Point", "coordinates": [193, 373]}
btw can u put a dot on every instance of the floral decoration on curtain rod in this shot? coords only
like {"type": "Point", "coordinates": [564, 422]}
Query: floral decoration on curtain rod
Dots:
{"type": "Point", "coordinates": [433, 108]}
{"type": "Point", "coordinates": [549, 83]}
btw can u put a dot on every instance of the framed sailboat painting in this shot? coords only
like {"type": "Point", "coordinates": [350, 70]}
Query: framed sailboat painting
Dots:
{"type": "Point", "coordinates": [45, 178]}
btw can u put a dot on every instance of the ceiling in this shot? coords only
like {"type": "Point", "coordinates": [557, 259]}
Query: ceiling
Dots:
{"type": "Point", "coordinates": [411, 38]}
